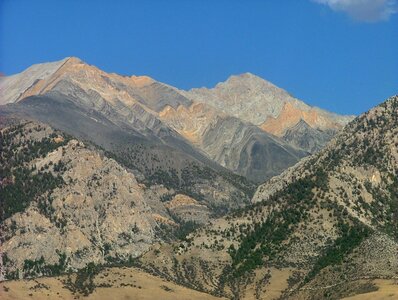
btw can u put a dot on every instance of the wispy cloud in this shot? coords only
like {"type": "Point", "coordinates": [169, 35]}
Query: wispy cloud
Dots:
{"type": "Point", "coordinates": [364, 10]}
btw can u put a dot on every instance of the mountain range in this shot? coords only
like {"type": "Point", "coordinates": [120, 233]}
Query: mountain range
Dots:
{"type": "Point", "coordinates": [239, 191]}
{"type": "Point", "coordinates": [323, 229]}
{"type": "Point", "coordinates": [246, 124]}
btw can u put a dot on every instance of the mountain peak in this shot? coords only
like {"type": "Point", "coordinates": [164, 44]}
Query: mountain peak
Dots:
{"type": "Point", "coordinates": [13, 87]}
{"type": "Point", "coordinates": [247, 75]}
{"type": "Point", "coordinates": [73, 60]}
{"type": "Point", "coordinates": [302, 123]}
{"type": "Point", "coordinates": [245, 96]}
{"type": "Point", "coordinates": [246, 79]}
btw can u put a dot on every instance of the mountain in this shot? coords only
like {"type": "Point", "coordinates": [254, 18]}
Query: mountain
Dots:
{"type": "Point", "coordinates": [67, 207]}
{"type": "Point", "coordinates": [120, 111]}
{"type": "Point", "coordinates": [239, 146]}
{"type": "Point", "coordinates": [64, 204]}
{"type": "Point", "coordinates": [101, 174]}
{"type": "Point", "coordinates": [60, 76]}
{"type": "Point", "coordinates": [118, 114]}
{"type": "Point", "coordinates": [13, 88]}
{"type": "Point", "coordinates": [323, 229]}
{"type": "Point", "coordinates": [303, 136]}
{"type": "Point", "coordinates": [255, 100]}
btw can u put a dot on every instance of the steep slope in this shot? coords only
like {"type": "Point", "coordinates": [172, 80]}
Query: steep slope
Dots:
{"type": "Point", "coordinates": [12, 88]}
{"type": "Point", "coordinates": [139, 109]}
{"type": "Point", "coordinates": [245, 96]}
{"type": "Point", "coordinates": [303, 136]}
{"type": "Point", "coordinates": [241, 147]}
{"type": "Point", "coordinates": [247, 150]}
{"type": "Point", "coordinates": [115, 97]}
{"type": "Point", "coordinates": [174, 117]}
{"type": "Point", "coordinates": [119, 114]}
{"type": "Point", "coordinates": [261, 103]}
{"type": "Point", "coordinates": [319, 230]}
{"type": "Point", "coordinates": [64, 205]}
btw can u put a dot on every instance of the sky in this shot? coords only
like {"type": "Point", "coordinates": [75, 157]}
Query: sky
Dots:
{"type": "Point", "coordinates": [340, 55]}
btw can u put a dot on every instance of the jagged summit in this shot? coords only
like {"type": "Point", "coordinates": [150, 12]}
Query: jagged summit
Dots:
{"type": "Point", "coordinates": [74, 60]}
{"type": "Point", "coordinates": [13, 88]}
{"type": "Point", "coordinates": [303, 136]}
{"type": "Point", "coordinates": [245, 79]}
{"type": "Point", "coordinates": [301, 125]}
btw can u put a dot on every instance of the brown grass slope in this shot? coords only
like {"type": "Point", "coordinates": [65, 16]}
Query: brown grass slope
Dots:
{"type": "Point", "coordinates": [110, 283]}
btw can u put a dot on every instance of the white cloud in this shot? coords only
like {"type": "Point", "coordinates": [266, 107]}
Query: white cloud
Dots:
{"type": "Point", "coordinates": [364, 10]}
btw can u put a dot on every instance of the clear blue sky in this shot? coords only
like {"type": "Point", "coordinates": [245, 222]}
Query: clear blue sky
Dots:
{"type": "Point", "coordinates": [319, 53]}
